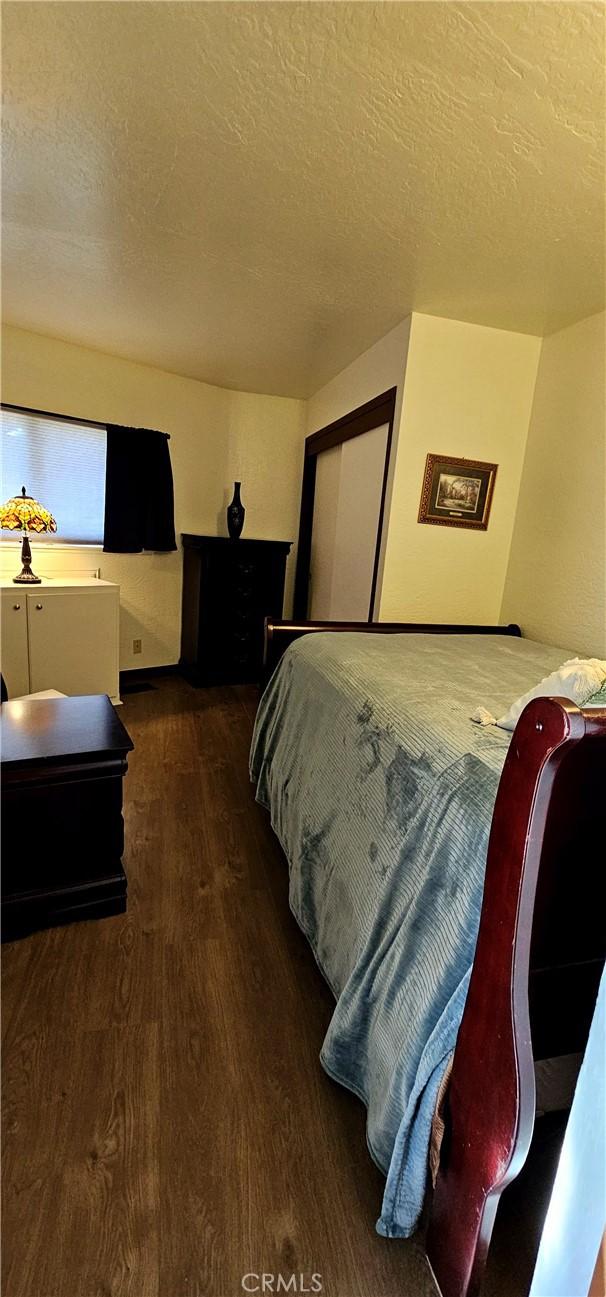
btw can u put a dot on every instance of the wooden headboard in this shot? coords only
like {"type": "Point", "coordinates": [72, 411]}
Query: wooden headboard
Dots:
{"type": "Point", "coordinates": [279, 634]}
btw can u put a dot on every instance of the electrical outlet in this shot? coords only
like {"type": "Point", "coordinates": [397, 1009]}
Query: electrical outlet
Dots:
{"type": "Point", "coordinates": [136, 646]}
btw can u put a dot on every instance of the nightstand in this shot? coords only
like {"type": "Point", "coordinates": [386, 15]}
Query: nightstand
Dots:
{"type": "Point", "coordinates": [63, 762]}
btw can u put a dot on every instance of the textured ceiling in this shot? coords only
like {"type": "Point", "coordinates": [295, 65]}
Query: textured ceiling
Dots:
{"type": "Point", "coordinates": [253, 193]}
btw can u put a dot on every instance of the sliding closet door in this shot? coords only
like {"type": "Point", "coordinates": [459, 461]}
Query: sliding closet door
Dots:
{"type": "Point", "coordinates": [324, 530]}
{"type": "Point", "coordinates": [347, 503]}
{"type": "Point", "coordinates": [342, 499]}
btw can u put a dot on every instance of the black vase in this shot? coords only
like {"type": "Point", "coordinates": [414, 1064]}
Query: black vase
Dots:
{"type": "Point", "coordinates": [235, 514]}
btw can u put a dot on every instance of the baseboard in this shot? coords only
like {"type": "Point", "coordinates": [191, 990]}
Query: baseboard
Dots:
{"type": "Point", "coordinates": [141, 673]}
{"type": "Point", "coordinates": [27, 912]}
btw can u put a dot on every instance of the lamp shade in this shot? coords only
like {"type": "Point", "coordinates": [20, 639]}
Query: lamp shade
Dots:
{"type": "Point", "coordinates": [23, 513]}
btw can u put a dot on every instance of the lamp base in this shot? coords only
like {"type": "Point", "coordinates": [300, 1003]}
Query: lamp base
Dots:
{"type": "Point", "coordinates": [26, 576]}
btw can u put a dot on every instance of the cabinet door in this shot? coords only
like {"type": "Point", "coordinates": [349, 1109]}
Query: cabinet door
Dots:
{"type": "Point", "coordinates": [73, 641]}
{"type": "Point", "coordinates": [14, 661]}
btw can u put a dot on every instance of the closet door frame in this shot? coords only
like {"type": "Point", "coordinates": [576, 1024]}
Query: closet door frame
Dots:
{"type": "Point", "coordinates": [372, 414]}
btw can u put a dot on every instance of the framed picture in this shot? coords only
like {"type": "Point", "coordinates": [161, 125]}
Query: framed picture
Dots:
{"type": "Point", "coordinates": [457, 492]}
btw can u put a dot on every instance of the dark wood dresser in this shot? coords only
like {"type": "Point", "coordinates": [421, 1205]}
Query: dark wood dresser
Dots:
{"type": "Point", "coordinates": [229, 588]}
{"type": "Point", "coordinates": [63, 762]}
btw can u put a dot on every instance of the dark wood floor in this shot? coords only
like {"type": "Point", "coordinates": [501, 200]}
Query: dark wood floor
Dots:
{"type": "Point", "coordinates": [167, 1125]}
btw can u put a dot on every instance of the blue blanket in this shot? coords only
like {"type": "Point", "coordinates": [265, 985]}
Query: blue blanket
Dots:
{"type": "Point", "coordinates": [381, 792]}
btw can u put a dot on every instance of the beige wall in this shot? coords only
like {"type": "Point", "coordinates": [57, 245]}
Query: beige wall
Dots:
{"type": "Point", "coordinates": [468, 391]}
{"type": "Point", "coordinates": [216, 436]}
{"type": "Point", "coordinates": [461, 389]}
{"type": "Point", "coordinates": [556, 579]}
{"type": "Point", "coordinates": [372, 373]}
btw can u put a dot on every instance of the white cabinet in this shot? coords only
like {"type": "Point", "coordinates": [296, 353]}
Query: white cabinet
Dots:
{"type": "Point", "coordinates": [62, 634]}
{"type": "Point", "coordinates": [15, 665]}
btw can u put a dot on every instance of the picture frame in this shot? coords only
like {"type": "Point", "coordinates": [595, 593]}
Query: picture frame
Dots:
{"type": "Point", "coordinates": [457, 492]}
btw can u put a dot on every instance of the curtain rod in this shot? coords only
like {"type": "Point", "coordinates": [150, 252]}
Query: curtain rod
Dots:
{"type": "Point", "coordinates": [51, 414]}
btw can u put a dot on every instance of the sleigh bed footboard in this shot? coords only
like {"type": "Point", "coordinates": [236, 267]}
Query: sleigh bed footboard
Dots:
{"type": "Point", "coordinates": [544, 845]}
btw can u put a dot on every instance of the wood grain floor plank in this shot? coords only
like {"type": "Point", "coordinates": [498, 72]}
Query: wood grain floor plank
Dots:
{"type": "Point", "coordinates": [108, 1207]}
{"type": "Point", "coordinates": [13, 980]}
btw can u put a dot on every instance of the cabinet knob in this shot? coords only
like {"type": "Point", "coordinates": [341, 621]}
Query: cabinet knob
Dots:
{"type": "Point", "coordinates": [38, 607]}
{"type": "Point", "coordinates": [16, 607]}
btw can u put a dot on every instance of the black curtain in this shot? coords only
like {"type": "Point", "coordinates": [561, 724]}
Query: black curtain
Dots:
{"type": "Point", "coordinates": [139, 500]}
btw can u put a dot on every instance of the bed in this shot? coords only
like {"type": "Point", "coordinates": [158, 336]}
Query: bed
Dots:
{"type": "Point", "coordinates": [415, 841]}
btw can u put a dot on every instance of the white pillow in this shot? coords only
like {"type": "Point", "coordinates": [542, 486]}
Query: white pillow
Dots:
{"type": "Point", "coordinates": [576, 679]}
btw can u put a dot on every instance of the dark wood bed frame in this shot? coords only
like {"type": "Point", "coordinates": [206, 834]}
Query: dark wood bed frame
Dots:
{"type": "Point", "coordinates": [538, 960]}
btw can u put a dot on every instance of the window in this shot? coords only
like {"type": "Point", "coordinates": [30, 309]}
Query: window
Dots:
{"type": "Point", "coordinates": [60, 463]}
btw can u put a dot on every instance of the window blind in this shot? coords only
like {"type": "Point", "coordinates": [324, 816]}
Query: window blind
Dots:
{"type": "Point", "coordinates": [63, 466]}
